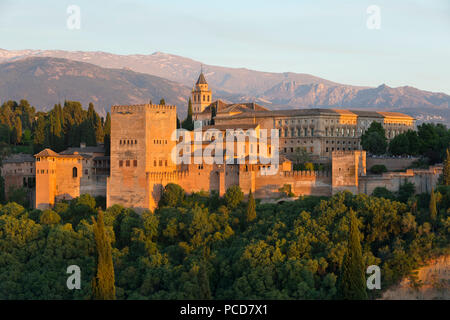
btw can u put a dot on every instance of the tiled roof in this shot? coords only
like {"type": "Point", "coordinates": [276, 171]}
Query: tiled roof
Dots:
{"type": "Point", "coordinates": [18, 158]}
{"type": "Point", "coordinates": [223, 127]}
{"type": "Point", "coordinates": [47, 153]}
{"type": "Point", "coordinates": [50, 153]}
{"type": "Point", "coordinates": [223, 108]}
{"type": "Point", "coordinates": [315, 112]}
{"type": "Point", "coordinates": [395, 114]}
{"type": "Point", "coordinates": [84, 150]}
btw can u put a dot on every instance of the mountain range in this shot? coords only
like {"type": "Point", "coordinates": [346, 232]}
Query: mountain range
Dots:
{"type": "Point", "coordinates": [46, 77]}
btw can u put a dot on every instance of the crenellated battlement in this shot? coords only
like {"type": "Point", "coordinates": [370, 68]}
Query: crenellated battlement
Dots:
{"type": "Point", "coordinates": [306, 173]}
{"type": "Point", "coordinates": [174, 175]}
{"type": "Point", "coordinates": [344, 152]}
{"type": "Point", "coordinates": [296, 173]}
{"type": "Point", "coordinates": [141, 108]}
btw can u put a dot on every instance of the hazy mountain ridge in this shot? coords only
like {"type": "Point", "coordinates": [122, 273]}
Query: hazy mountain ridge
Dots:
{"type": "Point", "coordinates": [46, 81]}
{"type": "Point", "coordinates": [177, 68]}
{"type": "Point", "coordinates": [274, 90]}
{"type": "Point", "coordinates": [290, 93]}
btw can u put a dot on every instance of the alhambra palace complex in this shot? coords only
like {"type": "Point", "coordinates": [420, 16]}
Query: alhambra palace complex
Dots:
{"type": "Point", "coordinates": [140, 164]}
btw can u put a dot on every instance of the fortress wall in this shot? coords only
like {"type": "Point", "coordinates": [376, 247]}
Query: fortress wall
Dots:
{"type": "Point", "coordinates": [423, 179]}
{"type": "Point", "coordinates": [195, 180]}
{"type": "Point", "coordinates": [391, 164]}
{"type": "Point", "coordinates": [95, 185]}
{"type": "Point", "coordinates": [301, 182]}
{"type": "Point", "coordinates": [200, 180]}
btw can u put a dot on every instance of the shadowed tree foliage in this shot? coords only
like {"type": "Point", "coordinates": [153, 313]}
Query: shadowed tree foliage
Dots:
{"type": "Point", "coordinates": [49, 217]}
{"type": "Point", "coordinates": [406, 191]}
{"type": "Point", "coordinates": [374, 139]}
{"type": "Point", "coordinates": [433, 206]}
{"type": "Point", "coordinates": [378, 169]}
{"type": "Point", "coordinates": [103, 284]}
{"type": "Point", "coordinates": [19, 195]}
{"type": "Point", "coordinates": [172, 196]}
{"type": "Point", "coordinates": [201, 249]}
{"type": "Point", "coordinates": [446, 169]}
{"type": "Point", "coordinates": [353, 283]}
{"type": "Point", "coordinates": [382, 192]}
{"type": "Point", "coordinates": [233, 196]}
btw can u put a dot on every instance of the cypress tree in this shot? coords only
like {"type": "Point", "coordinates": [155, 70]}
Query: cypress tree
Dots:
{"type": "Point", "coordinates": [91, 112]}
{"type": "Point", "coordinates": [39, 134]}
{"type": "Point", "coordinates": [56, 132]}
{"type": "Point", "coordinates": [432, 207]}
{"type": "Point", "coordinates": [17, 131]}
{"type": "Point", "coordinates": [446, 171]}
{"type": "Point", "coordinates": [203, 282]}
{"type": "Point", "coordinates": [107, 126]}
{"type": "Point", "coordinates": [162, 102]}
{"type": "Point", "coordinates": [99, 135]}
{"type": "Point", "coordinates": [103, 283]}
{"type": "Point", "coordinates": [188, 123]}
{"type": "Point", "coordinates": [251, 207]}
{"type": "Point", "coordinates": [352, 282]}
{"type": "Point", "coordinates": [107, 134]}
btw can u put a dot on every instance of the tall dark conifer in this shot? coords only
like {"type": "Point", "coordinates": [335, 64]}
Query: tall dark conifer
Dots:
{"type": "Point", "coordinates": [17, 131]}
{"type": "Point", "coordinates": [188, 123]}
{"type": "Point", "coordinates": [107, 134]}
{"type": "Point", "coordinates": [251, 207]}
{"type": "Point", "coordinates": [39, 134]}
{"type": "Point", "coordinates": [103, 283]}
{"type": "Point", "coordinates": [352, 280]}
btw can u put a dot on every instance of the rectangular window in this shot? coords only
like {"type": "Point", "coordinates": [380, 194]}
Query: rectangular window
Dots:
{"type": "Point", "coordinates": [127, 163]}
{"type": "Point", "coordinates": [120, 163]}
{"type": "Point", "coordinates": [135, 163]}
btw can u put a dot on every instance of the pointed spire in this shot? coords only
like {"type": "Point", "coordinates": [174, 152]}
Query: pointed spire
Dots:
{"type": "Point", "coordinates": [201, 79]}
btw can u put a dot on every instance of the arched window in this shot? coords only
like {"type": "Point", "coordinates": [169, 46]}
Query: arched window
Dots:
{"type": "Point", "coordinates": [74, 172]}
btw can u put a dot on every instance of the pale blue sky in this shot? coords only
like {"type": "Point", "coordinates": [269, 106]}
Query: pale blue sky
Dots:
{"type": "Point", "coordinates": [325, 38]}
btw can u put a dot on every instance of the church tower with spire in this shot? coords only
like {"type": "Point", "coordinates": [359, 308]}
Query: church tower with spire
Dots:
{"type": "Point", "coordinates": [201, 95]}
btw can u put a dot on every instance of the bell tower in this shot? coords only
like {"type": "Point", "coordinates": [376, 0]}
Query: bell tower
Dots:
{"type": "Point", "coordinates": [201, 95]}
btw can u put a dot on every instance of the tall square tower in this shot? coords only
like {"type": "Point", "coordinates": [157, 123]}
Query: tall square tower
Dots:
{"type": "Point", "coordinates": [140, 144]}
